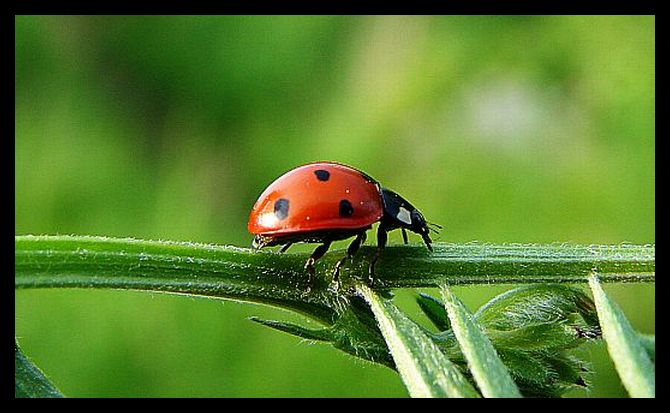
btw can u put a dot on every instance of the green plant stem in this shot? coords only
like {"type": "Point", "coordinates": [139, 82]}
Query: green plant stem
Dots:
{"type": "Point", "coordinates": [170, 267]}
{"type": "Point", "coordinates": [279, 279]}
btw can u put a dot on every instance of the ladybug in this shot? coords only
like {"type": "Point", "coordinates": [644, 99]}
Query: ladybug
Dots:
{"type": "Point", "coordinates": [322, 202]}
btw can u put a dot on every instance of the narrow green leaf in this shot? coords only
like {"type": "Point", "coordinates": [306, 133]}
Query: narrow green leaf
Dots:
{"type": "Point", "coordinates": [630, 358]}
{"type": "Point", "coordinates": [434, 310]}
{"type": "Point", "coordinates": [299, 331]}
{"type": "Point", "coordinates": [487, 369]}
{"type": "Point", "coordinates": [424, 369]}
{"type": "Point", "coordinates": [29, 379]}
{"type": "Point", "coordinates": [648, 341]}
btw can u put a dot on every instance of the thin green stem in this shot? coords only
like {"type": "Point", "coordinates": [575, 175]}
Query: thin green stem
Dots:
{"type": "Point", "coordinates": [170, 267]}
{"type": "Point", "coordinates": [279, 279]}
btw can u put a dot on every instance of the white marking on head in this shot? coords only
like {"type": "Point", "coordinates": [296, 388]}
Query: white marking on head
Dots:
{"type": "Point", "coordinates": [404, 216]}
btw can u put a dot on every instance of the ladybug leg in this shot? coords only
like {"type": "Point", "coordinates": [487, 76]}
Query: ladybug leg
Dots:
{"type": "Point", "coordinates": [382, 238]}
{"type": "Point", "coordinates": [351, 251]}
{"type": "Point", "coordinates": [404, 236]}
{"type": "Point", "coordinates": [309, 264]}
{"type": "Point", "coordinates": [285, 247]}
{"type": "Point", "coordinates": [258, 242]}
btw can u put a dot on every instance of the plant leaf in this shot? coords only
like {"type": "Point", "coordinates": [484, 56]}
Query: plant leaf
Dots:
{"type": "Point", "coordinates": [28, 378]}
{"type": "Point", "coordinates": [532, 328]}
{"type": "Point", "coordinates": [354, 331]}
{"type": "Point", "coordinates": [434, 310]}
{"type": "Point", "coordinates": [648, 341]}
{"type": "Point", "coordinates": [540, 316]}
{"type": "Point", "coordinates": [487, 369]}
{"type": "Point", "coordinates": [424, 369]}
{"type": "Point", "coordinates": [630, 358]}
{"type": "Point", "coordinates": [323, 334]}
{"type": "Point", "coordinates": [543, 373]}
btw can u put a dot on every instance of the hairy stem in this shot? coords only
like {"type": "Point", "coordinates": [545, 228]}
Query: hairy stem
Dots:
{"type": "Point", "coordinates": [279, 279]}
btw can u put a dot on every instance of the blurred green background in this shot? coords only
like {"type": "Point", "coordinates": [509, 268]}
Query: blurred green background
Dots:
{"type": "Point", "coordinates": [502, 129]}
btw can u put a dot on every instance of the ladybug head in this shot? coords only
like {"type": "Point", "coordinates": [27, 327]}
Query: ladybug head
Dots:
{"type": "Point", "coordinates": [399, 213]}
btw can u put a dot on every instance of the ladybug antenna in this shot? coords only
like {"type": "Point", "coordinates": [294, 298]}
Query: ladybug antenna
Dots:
{"type": "Point", "coordinates": [434, 227]}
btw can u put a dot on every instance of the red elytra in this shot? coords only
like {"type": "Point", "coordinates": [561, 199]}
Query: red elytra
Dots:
{"type": "Point", "coordinates": [322, 202]}
{"type": "Point", "coordinates": [308, 198]}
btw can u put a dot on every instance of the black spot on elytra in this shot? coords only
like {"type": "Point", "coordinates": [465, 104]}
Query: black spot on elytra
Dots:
{"type": "Point", "coordinates": [322, 175]}
{"type": "Point", "coordinates": [281, 208]}
{"type": "Point", "coordinates": [346, 209]}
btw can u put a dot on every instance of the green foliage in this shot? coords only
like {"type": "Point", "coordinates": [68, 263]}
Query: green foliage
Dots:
{"type": "Point", "coordinates": [648, 342]}
{"type": "Point", "coordinates": [540, 317]}
{"type": "Point", "coordinates": [425, 370]}
{"type": "Point", "coordinates": [533, 328]}
{"type": "Point", "coordinates": [29, 381]}
{"type": "Point", "coordinates": [484, 363]}
{"type": "Point", "coordinates": [537, 326]}
{"type": "Point", "coordinates": [625, 347]}
{"type": "Point", "coordinates": [523, 334]}
{"type": "Point", "coordinates": [353, 331]}
{"type": "Point", "coordinates": [434, 310]}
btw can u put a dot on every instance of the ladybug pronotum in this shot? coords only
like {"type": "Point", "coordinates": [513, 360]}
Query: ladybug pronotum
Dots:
{"type": "Point", "coordinates": [322, 202]}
